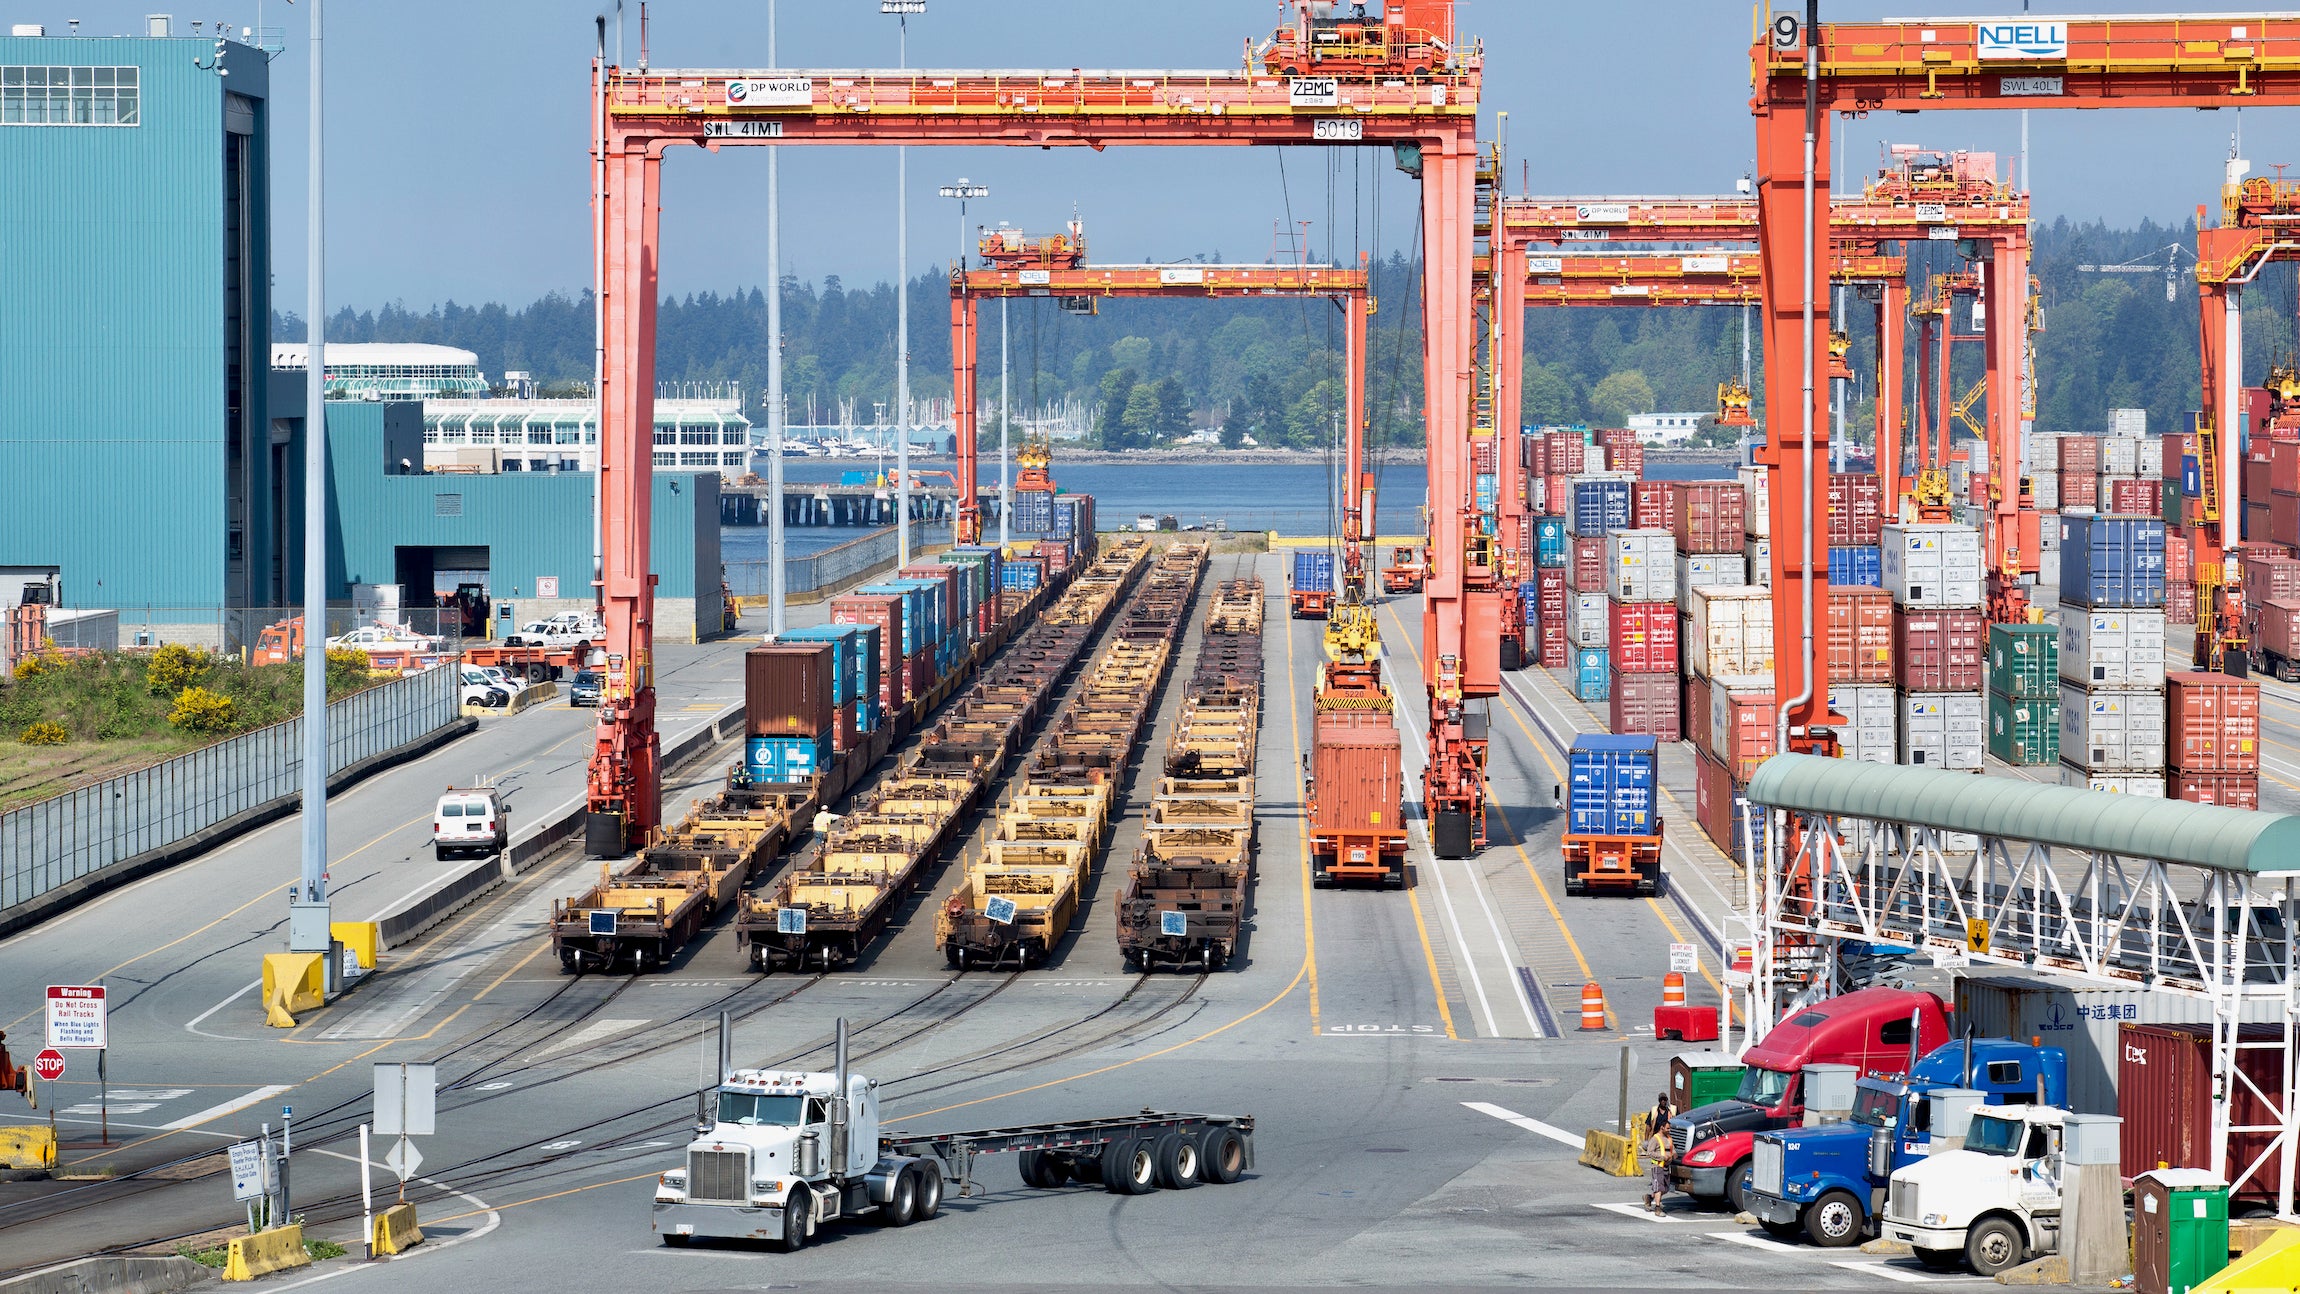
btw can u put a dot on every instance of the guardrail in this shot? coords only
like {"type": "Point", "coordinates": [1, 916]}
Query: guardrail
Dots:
{"type": "Point", "coordinates": [558, 825]}
{"type": "Point", "coordinates": [60, 851]}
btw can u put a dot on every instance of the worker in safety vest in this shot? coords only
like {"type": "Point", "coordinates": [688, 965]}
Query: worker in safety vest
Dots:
{"type": "Point", "coordinates": [12, 1079]}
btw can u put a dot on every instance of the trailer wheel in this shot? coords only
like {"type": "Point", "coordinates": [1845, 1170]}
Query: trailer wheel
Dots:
{"type": "Point", "coordinates": [1221, 1155]}
{"type": "Point", "coordinates": [798, 1215]}
{"type": "Point", "coordinates": [1129, 1167]}
{"type": "Point", "coordinates": [1834, 1221]}
{"type": "Point", "coordinates": [567, 961]}
{"type": "Point", "coordinates": [929, 1192]}
{"type": "Point", "coordinates": [901, 1207]}
{"type": "Point", "coordinates": [1178, 1163]}
{"type": "Point", "coordinates": [1037, 1170]}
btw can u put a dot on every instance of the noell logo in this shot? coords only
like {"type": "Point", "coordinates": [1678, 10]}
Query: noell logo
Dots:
{"type": "Point", "coordinates": [2028, 40]}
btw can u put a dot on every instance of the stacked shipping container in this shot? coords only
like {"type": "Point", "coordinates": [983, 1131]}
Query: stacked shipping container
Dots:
{"type": "Point", "coordinates": [2213, 741]}
{"type": "Point", "coordinates": [1933, 571]}
{"type": "Point", "coordinates": [2112, 715]}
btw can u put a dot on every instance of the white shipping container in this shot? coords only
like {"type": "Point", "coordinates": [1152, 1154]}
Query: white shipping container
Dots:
{"type": "Point", "coordinates": [2128, 422]}
{"type": "Point", "coordinates": [2082, 1020]}
{"type": "Point", "coordinates": [2041, 452]}
{"type": "Point", "coordinates": [1933, 565]}
{"type": "Point", "coordinates": [1589, 620]}
{"type": "Point", "coordinates": [1641, 565]}
{"type": "Point", "coordinates": [1760, 509]}
{"type": "Point", "coordinates": [1731, 631]}
{"type": "Point", "coordinates": [2119, 456]}
{"type": "Point", "coordinates": [2148, 786]}
{"type": "Point", "coordinates": [1944, 730]}
{"type": "Point", "coordinates": [2112, 730]}
{"type": "Point", "coordinates": [1757, 556]}
{"type": "Point", "coordinates": [1702, 570]}
{"type": "Point", "coordinates": [1961, 479]}
{"type": "Point", "coordinates": [2111, 648]}
{"type": "Point", "coordinates": [2044, 490]}
{"type": "Point", "coordinates": [1871, 732]}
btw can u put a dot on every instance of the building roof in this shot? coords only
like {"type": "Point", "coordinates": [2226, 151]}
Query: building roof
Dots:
{"type": "Point", "coordinates": [377, 354]}
{"type": "Point", "coordinates": [2234, 840]}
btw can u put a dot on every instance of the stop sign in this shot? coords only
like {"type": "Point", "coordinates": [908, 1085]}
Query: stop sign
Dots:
{"type": "Point", "coordinates": [49, 1065]}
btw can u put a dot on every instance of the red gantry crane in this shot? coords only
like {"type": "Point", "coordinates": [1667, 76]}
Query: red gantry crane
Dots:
{"type": "Point", "coordinates": [1056, 267]}
{"type": "Point", "coordinates": [1414, 93]}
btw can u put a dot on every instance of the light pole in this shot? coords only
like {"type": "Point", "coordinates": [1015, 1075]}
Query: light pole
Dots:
{"type": "Point", "coordinates": [902, 10]}
{"type": "Point", "coordinates": [308, 913]}
{"type": "Point", "coordinates": [1005, 487]}
{"type": "Point", "coordinates": [775, 538]}
{"type": "Point", "coordinates": [965, 191]}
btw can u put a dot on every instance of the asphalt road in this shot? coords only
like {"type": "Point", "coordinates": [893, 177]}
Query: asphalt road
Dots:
{"type": "Point", "coordinates": [1413, 1060]}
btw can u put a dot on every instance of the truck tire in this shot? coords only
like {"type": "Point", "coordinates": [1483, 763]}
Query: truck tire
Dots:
{"type": "Point", "coordinates": [1738, 1183]}
{"type": "Point", "coordinates": [901, 1207]}
{"type": "Point", "coordinates": [1034, 1170]}
{"type": "Point", "coordinates": [1178, 1163]}
{"type": "Point", "coordinates": [1782, 1230]}
{"type": "Point", "coordinates": [798, 1216]}
{"type": "Point", "coordinates": [929, 1191]}
{"type": "Point", "coordinates": [1221, 1156]}
{"type": "Point", "coordinates": [1834, 1220]}
{"type": "Point", "coordinates": [1129, 1167]}
{"type": "Point", "coordinates": [1993, 1245]}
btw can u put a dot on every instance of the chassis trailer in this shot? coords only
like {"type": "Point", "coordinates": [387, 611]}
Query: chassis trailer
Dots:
{"type": "Point", "coordinates": [781, 1153]}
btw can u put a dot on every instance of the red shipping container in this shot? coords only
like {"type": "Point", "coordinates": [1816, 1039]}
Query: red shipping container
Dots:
{"type": "Point", "coordinates": [1716, 807]}
{"type": "Point", "coordinates": [1649, 505]}
{"type": "Point", "coordinates": [2228, 790]}
{"type": "Point", "coordinates": [1939, 650]}
{"type": "Point", "coordinates": [2269, 576]}
{"type": "Point", "coordinates": [1625, 458]}
{"type": "Point", "coordinates": [1559, 489]}
{"type": "Point", "coordinates": [1696, 720]}
{"type": "Point", "coordinates": [2179, 554]}
{"type": "Point", "coordinates": [787, 690]}
{"type": "Point", "coordinates": [1860, 635]}
{"type": "Point", "coordinates": [2175, 449]}
{"type": "Point", "coordinates": [1588, 564]}
{"type": "Point", "coordinates": [2179, 602]}
{"type": "Point", "coordinates": [2256, 521]}
{"type": "Point", "coordinates": [1567, 453]}
{"type": "Point", "coordinates": [1856, 510]}
{"type": "Point", "coordinates": [1555, 651]}
{"type": "Point", "coordinates": [1977, 489]}
{"type": "Point", "coordinates": [1646, 703]}
{"type": "Point", "coordinates": [1741, 729]}
{"type": "Point", "coordinates": [923, 675]}
{"type": "Point", "coordinates": [2164, 1091]}
{"type": "Point", "coordinates": [886, 613]}
{"type": "Point", "coordinates": [1483, 455]}
{"type": "Point", "coordinates": [1357, 766]}
{"type": "Point", "coordinates": [843, 728]}
{"type": "Point", "coordinates": [1644, 638]}
{"type": "Point", "coordinates": [2214, 723]}
{"type": "Point", "coordinates": [2283, 467]}
{"type": "Point", "coordinates": [2081, 490]}
{"type": "Point", "coordinates": [2079, 456]}
{"type": "Point", "coordinates": [2276, 628]}
{"type": "Point", "coordinates": [2136, 497]}
{"type": "Point", "coordinates": [1710, 516]}
{"type": "Point", "coordinates": [1552, 582]}
{"type": "Point", "coordinates": [2284, 519]}
{"type": "Point", "coordinates": [2253, 468]}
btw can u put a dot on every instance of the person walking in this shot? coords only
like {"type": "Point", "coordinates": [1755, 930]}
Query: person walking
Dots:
{"type": "Point", "coordinates": [1657, 1151]}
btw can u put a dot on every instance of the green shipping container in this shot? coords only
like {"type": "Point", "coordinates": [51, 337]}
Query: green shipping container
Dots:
{"type": "Point", "coordinates": [2024, 661]}
{"type": "Point", "coordinates": [2024, 731]}
{"type": "Point", "coordinates": [2172, 503]}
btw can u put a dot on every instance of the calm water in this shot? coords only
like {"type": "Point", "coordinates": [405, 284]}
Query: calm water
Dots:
{"type": "Point", "coordinates": [1292, 499]}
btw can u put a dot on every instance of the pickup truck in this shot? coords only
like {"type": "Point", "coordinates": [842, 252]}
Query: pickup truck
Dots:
{"type": "Point", "coordinates": [1872, 1030]}
{"type": "Point", "coordinates": [558, 631]}
{"type": "Point", "coordinates": [1827, 1183]}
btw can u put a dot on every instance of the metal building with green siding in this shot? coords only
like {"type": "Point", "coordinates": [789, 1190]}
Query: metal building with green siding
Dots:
{"type": "Point", "coordinates": [135, 270]}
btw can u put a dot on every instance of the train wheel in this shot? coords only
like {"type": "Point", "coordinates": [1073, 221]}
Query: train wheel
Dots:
{"type": "Point", "coordinates": [955, 956]}
{"type": "Point", "coordinates": [567, 961]}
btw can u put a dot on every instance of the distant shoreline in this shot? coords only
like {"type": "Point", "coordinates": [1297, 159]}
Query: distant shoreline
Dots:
{"type": "Point", "coordinates": [1271, 457]}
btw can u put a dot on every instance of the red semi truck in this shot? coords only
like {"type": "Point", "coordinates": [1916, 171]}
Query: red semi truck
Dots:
{"type": "Point", "coordinates": [1870, 1030]}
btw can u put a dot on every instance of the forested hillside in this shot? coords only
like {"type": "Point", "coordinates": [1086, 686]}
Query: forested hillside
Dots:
{"type": "Point", "coordinates": [1271, 369]}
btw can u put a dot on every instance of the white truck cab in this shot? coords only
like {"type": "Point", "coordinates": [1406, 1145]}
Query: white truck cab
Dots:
{"type": "Point", "coordinates": [1995, 1203]}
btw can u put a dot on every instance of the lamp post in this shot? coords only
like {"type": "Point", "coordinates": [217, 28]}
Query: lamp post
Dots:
{"type": "Point", "coordinates": [902, 11]}
{"type": "Point", "coordinates": [965, 191]}
{"type": "Point", "coordinates": [775, 537]}
{"type": "Point", "coordinates": [308, 912]}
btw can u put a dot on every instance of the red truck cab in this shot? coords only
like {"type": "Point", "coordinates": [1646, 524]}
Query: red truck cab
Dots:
{"type": "Point", "coordinates": [1870, 1030]}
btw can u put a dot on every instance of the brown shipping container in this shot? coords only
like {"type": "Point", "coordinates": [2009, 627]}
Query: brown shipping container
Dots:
{"type": "Point", "coordinates": [2268, 576]}
{"type": "Point", "coordinates": [2215, 723]}
{"type": "Point", "coordinates": [2079, 490]}
{"type": "Point", "coordinates": [1552, 581]}
{"type": "Point", "coordinates": [1714, 793]}
{"type": "Point", "coordinates": [1860, 635]}
{"type": "Point", "coordinates": [2136, 497]}
{"type": "Point", "coordinates": [1742, 735]}
{"type": "Point", "coordinates": [2284, 519]}
{"type": "Point", "coordinates": [2254, 468]}
{"type": "Point", "coordinates": [1709, 516]}
{"type": "Point", "coordinates": [2079, 455]}
{"type": "Point", "coordinates": [1696, 722]}
{"type": "Point", "coordinates": [1856, 510]}
{"type": "Point", "coordinates": [1483, 455]}
{"type": "Point", "coordinates": [2256, 521]}
{"type": "Point", "coordinates": [787, 690]}
{"type": "Point", "coordinates": [2180, 558]}
{"type": "Point", "coordinates": [1646, 703]}
{"type": "Point", "coordinates": [1625, 458]}
{"type": "Point", "coordinates": [843, 727]}
{"type": "Point", "coordinates": [1588, 564]}
{"type": "Point", "coordinates": [1567, 453]}
{"type": "Point", "coordinates": [2228, 790]}
{"type": "Point", "coordinates": [2164, 1093]}
{"type": "Point", "coordinates": [2276, 628]}
{"type": "Point", "coordinates": [2176, 448]}
{"type": "Point", "coordinates": [1937, 650]}
{"type": "Point", "coordinates": [2283, 467]}
{"type": "Point", "coordinates": [1357, 766]}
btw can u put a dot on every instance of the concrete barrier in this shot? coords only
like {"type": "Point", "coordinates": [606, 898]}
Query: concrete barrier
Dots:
{"type": "Point", "coordinates": [27, 1148]}
{"type": "Point", "coordinates": [552, 829]}
{"type": "Point", "coordinates": [395, 1231]}
{"type": "Point", "coordinates": [277, 1250]}
{"type": "Point", "coordinates": [359, 937]}
{"type": "Point", "coordinates": [122, 1274]}
{"type": "Point", "coordinates": [534, 694]}
{"type": "Point", "coordinates": [293, 982]}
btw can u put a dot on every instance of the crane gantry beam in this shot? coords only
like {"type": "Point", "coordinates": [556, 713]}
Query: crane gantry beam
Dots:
{"type": "Point", "coordinates": [1415, 95]}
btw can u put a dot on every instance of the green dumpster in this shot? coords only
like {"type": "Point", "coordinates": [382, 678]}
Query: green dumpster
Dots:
{"type": "Point", "coordinates": [1702, 1077]}
{"type": "Point", "coordinates": [2179, 1229]}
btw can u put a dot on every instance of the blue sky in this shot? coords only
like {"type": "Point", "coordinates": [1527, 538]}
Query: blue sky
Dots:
{"type": "Point", "coordinates": [458, 133]}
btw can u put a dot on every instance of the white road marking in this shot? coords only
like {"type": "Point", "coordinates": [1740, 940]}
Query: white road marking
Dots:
{"type": "Point", "coordinates": [1627, 1210]}
{"type": "Point", "coordinates": [1765, 1243]}
{"type": "Point", "coordinates": [97, 1108]}
{"type": "Point", "coordinates": [591, 1033]}
{"type": "Point", "coordinates": [201, 1018]}
{"type": "Point", "coordinates": [229, 1107]}
{"type": "Point", "coordinates": [404, 1002]}
{"type": "Point", "coordinates": [1892, 1273]}
{"type": "Point", "coordinates": [1531, 1125]}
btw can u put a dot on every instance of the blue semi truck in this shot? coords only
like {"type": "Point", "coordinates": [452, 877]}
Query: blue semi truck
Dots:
{"type": "Point", "coordinates": [1828, 1183]}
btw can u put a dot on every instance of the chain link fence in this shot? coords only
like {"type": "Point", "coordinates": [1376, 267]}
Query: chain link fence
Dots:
{"type": "Point", "coordinates": [58, 841]}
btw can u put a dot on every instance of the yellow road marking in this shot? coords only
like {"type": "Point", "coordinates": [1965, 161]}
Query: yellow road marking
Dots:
{"type": "Point", "coordinates": [1302, 825]}
{"type": "Point", "coordinates": [498, 1208]}
{"type": "Point", "coordinates": [1429, 956]}
{"type": "Point", "coordinates": [521, 965]}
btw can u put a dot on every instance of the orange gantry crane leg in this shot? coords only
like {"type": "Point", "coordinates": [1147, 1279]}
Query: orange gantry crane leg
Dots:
{"type": "Point", "coordinates": [1892, 321]}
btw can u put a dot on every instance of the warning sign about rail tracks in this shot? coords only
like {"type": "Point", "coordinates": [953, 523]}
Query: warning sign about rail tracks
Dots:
{"type": "Point", "coordinates": [76, 1015]}
{"type": "Point", "coordinates": [1176, 924]}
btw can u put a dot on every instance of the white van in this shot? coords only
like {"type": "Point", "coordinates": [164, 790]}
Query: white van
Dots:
{"type": "Point", "coordinates": [478, 687]}
{"type": "Point", "coordinates": [471, 820]}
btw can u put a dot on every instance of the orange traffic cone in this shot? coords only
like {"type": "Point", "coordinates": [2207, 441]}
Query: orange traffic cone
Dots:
{"type": "Point", "coordinates": [1592, 1007]}
{"type": "Point", "coordinates": [1673, 989]}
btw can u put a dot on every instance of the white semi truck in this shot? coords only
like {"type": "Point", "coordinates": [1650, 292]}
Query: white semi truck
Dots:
{"type": "Point", "coordinates": [1994, 1204]}
{"type": "Point", "coordinates": [778, 1153]}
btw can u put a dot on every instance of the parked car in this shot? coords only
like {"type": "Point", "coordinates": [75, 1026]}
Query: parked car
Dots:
{"type": "Point", "coordinates": [585, 689]}
{"type": "Point", "coordinates": [470, 820]}
{"type": "Point", "coordinates": [481, 688]}
{"type": "Point", "coordinates": [382, 638]}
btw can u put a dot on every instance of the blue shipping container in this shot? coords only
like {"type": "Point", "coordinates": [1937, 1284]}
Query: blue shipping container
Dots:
{"type": "Point", "coordinates": [787, 759]}
{"type": "Point", "coordinates": [1549, 544]}
{"type": "Point", "coordinates": [846, 659]}
{"type": "Point", "coordinates": [909, 646]}
{"type": "Point", "coordinates": [1598, 508]}
{"type": "Point", "coordinates": [1033, 512]}
{"type": "Point", "coordinates": [1487, 488]}
{"type": "Point", "coordinates": [1019, 576]}
{"type": "Point", "coordinates": [1613, 785]}
{"type": "Point", "coordinates": [2191, 481]}
{"type": "Point", "coordinates": [763, 759]}
{"type": "Point", "coordinates": [1857, 568]}
{"type": "Point", "coordinates": [1313, 570]}
{"type": "Point", "coordinates": [2111, 561]}
{"type": "Point", "coordinates": [857, 478]}
{"type": "Point", "coordinates": [1592, 674]}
